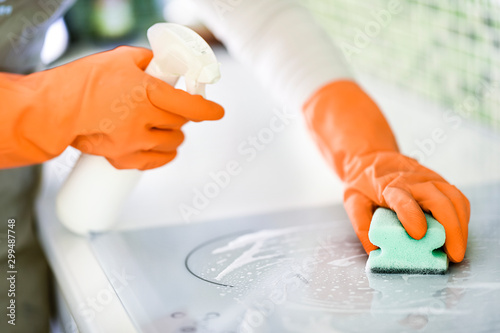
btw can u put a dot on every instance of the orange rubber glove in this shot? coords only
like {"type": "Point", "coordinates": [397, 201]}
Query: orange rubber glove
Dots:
{"type": "Point", "coordinates": [357, 141]}
{"type": "Point", "coordinates": [103, 104]}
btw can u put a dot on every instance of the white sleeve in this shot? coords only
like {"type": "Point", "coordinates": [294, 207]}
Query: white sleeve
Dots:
{"type": "Point", "coordinates": [287, 49]}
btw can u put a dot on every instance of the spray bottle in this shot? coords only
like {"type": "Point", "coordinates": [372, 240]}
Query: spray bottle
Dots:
{"type": "Point", "coordinates": [94, 192]}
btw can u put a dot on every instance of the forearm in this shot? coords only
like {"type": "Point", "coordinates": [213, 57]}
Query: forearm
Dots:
{"type": "Point", "coordinates": [280, 40]}
{"type": "Point", "coordinates": [346, 123]}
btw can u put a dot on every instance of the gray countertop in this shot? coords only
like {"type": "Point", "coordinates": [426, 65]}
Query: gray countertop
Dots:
{"type": "Point", "coordinates": [300, 270]}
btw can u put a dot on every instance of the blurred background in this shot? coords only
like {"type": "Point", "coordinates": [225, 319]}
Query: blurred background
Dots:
{"type": "Point", "coordinates": [443, 50]}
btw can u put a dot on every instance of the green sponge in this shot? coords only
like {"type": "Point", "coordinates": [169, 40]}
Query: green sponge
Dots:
{"type": "Point", "coordinates": [401, 254]}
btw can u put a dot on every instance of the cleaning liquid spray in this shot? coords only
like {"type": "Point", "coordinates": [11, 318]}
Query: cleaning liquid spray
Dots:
{"type": "Point", "coordinates": [94, 192]}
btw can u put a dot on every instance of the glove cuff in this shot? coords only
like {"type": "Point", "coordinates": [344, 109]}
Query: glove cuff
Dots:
{"type": "Point", "coordinates": [345, 122]}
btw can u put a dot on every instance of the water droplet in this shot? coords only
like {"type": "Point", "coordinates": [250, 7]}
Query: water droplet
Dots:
{"type": "Point", "coordinates": [177, 315]}
{"type": "Point", "coordinates": [212, 315]}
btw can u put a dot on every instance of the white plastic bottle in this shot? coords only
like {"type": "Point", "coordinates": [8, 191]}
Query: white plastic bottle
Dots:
{"type": "Point", "coordinates": [94, 192]}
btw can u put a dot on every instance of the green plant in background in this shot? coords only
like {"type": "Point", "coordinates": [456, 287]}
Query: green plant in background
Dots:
{"type": "Point", "coordinates": [112, 18]}
{"type": "Point", "coordinates": [112, 21]}
{"type": "Point", "coordinates": [447, 50]}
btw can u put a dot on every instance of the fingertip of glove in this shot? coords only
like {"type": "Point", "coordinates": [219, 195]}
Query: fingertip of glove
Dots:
{"type": "Point", "coordinates": [140, 55]}
{"type": "Point", "coordinates": [417, 228]}
{"type": "Point", "coordinates": [408, 211]}
{"type": "Point", "coordinates": [142, 160]}
{"type": "Point", "coordinates": [117, 164]}
{"type": "Point", "coordinates": [156, 159]}
{"type": "Point", "coordinates": [192, 107]}
{"type": "Point", "coordinates": [367, 245]}
{"type": "Point", "coordinates": [455, 254]}
{"type": "Point", "coordinates": [413, 220]}
{"type": "Point", "coordinates": [204, 109]}
{"type": "Point", "coordinates": [218, 111]}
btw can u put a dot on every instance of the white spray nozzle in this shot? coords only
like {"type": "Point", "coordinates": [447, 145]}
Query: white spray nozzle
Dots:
{"type": "Point", "coordinates": [179, 51]}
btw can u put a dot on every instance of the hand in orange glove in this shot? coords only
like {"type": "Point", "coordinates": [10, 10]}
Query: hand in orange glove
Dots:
{"type": "Point", "coordinates": [102, 104]}
{"type": "Point", "coordinates": [356, 139]}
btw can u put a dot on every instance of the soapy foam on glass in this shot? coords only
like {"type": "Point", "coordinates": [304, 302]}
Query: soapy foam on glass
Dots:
{"type": "Point", "coordinates": [256, 241]}
{"type": "Point", "coordinates": [259, 260]}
